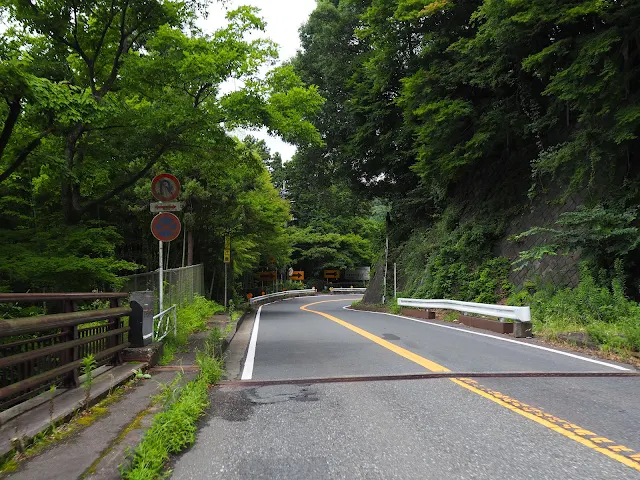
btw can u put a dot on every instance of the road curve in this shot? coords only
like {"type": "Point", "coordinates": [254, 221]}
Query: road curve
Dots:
{"type": "Point", "coordinates": [517, 428]}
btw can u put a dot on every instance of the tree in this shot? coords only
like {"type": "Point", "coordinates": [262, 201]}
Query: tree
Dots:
{"type": "Point", "coordinates": [109, 93]}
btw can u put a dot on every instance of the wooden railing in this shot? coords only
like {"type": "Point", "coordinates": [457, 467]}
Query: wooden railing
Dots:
{"type": "Point", "coordinates": [39, 351]}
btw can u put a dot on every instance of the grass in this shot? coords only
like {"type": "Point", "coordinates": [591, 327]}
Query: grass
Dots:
{"type": "Point", "coordinates": [192, 318]}
{"type": "Point", "coordinates": [174, 429]}
{"type": "Point", "coordinates": [611, 320]}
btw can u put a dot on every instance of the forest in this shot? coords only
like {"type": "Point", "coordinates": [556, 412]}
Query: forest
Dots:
{"type": "Point", "coordinates": [100, 96]}
{"type": "Point", "coordinates": [494, 142]}
{"type": "Point", "coordinates": [500, 139]}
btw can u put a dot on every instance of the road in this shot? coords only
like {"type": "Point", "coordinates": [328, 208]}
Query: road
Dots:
{"type": "Point", "coordinates": [515, 428]}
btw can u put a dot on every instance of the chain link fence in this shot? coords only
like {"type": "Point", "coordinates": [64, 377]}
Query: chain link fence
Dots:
{"type": "Point", "coordinates": [181, 285]}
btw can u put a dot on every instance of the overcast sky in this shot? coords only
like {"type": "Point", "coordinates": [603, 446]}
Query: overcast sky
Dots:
{"type": "Point", "coordinates": [283, 18]}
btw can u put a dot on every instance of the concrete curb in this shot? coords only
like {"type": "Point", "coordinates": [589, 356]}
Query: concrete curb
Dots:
{"type": "Point", "coordinates": [227, 340]}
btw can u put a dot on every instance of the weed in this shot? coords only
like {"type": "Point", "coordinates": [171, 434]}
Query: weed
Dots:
{"type": "Point", "coordinates": [174, 429]}
{"type": "Point", "coordinates": [603, 312]}
{"type": "Point", "coordinates": [169, 392]}
{"type": "Point", "coordinates": [140, 374]}
{"type": "Point", "coordinates": [451, 316]}
{"type": "Point", "coordinates": [213, 343]}
{"type": "Point", "coordinates": [192, 318]}
{"type": "Point", "coordinates": [52, 394]}
{"type": "Point", "coordinates": [88, 366]}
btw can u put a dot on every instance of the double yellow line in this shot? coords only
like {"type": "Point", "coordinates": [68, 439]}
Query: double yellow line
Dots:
{"type": "Point", "coordinates": [600, 444]}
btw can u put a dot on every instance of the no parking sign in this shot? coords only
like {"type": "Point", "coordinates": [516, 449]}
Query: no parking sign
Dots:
{"type": "Point", "coordinates": [166, 227]}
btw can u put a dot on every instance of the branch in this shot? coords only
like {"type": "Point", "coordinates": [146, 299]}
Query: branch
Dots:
{"type": "Point", "coordinates": [12, 117]}
{"type": "Point", "coordinates": [121, 47]}
{"type": "Point", "coordinates": [129, 183]}
{"type": "Point", "coordinates": [76, 46]}
{"type": "Point", "coordinates": [198, 96]}
{"type": "Point", "coordinates": [112, 16]}
{"type": "Point", "coordinates": [31, 146]}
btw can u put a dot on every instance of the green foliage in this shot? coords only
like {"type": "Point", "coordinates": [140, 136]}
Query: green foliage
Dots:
{"type": "Point", "coordinates": [437, 104]}
{"type": "Point", "coordinates": [88, 366]}
{"type": "Point", "coordinates": [174, 429]}
{"type": "Point", "coordinates": [332, 226]}
{"type": "Point", "coordinates": [62, 258]}
{"type": "Point", "coordinates": [99, 97]}
{"type": "Point", "coordinates": [600, 235]}
{"type": "Point", "coordinates": [192, 318]}
{"type": "Point", "coordinates": [454, 261]}
{"type": "Point", "coordinates": [603, 312]}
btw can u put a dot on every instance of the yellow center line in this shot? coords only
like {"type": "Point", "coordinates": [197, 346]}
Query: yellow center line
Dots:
{"type": "Point", "coordinates": [620, 453]}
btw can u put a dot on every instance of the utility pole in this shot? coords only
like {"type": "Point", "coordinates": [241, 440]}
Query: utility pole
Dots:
{"type": "Point", "coordinates": [395, 281]}
{"type": "Point", "coordinates": [386, 264]}
{"type": "Point", "coordinates": [227, 261]}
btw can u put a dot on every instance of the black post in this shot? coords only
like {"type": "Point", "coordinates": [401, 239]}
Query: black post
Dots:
{"type": "Point", "coordinates": [141, 319]}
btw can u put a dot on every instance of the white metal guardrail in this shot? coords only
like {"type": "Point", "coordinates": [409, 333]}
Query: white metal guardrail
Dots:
{"type": "Point", "coordinates": [521, 314]}
{"type": "Point", "coordinates": [348, 290]}
{"type": "Point", "coordinates": [162, 323]}
{"type": "Point", "coordinates": [281, 295]}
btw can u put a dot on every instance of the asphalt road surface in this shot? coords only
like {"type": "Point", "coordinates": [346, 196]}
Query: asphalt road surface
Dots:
{"type": "Point", "coordinates": [487, 428]}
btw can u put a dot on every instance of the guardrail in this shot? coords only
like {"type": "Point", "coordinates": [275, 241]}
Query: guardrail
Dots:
{"type": "Point", "coordinates": [39, 351]}
{"type": "Point", "coordinates": [348, 290]}
{"type": "Point", "coordinates": [521, 314]}
{"type": "Point", "coordinates": [162, 324]}
{"type": "Point", "coordinates": [281, 295]}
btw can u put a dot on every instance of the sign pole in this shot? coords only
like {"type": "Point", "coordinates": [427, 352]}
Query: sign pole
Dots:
{"type": "Point", "coordinates": [161, 279]}
{"type": "Point", "coordinates": [225, 285]}
{"type": "Point", "coordinates": [165, 226]}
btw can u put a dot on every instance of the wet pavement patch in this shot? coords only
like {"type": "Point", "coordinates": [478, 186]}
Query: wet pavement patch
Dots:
{"type": "Point", "coordinates": [390, 336]}
{"type": "Point", "coordinates": [282, 393]}
{"type": "Point", "coordinates": [231, 405]}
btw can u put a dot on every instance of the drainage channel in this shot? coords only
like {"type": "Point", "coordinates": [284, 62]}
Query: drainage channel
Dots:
{"type": "Point", "coordinates": [423, 376]}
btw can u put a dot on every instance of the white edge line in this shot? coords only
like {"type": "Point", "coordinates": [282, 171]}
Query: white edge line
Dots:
{"type": "Point", "coordinates": [247, 371]}
{"type": "Point", "coordinates": [531, 345]}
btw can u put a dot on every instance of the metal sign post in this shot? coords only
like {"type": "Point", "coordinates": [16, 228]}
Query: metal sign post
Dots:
{"type": "Point", "coordinates": [164, 226]}
{"type": "Point", "coordinates": [161, 279]}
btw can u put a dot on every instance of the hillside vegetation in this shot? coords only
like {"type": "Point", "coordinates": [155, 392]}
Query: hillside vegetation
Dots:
{"type": "Point", "coordinates": [502, 136]}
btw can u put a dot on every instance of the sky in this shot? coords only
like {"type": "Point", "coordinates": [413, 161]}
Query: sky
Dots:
{"type": "Point", "coordinates": [283, 18]}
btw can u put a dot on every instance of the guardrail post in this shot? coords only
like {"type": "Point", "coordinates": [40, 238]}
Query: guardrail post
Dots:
{"type": "Point", "coordinates": [141, 319]}
{"type": "Point", "coordinates": [71, 379]}
{"type": "Point", "coordinates": [522, 329]}
{"type": "Point", "coordinates": [114, 340]}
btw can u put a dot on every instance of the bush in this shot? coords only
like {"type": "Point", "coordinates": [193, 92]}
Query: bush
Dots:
{"type": "Point", "coordinates": [610, 318]}
{"type": "Point", "coordinates": [192, 318]}
{"type": "Point", "coordinates": [454, 260]}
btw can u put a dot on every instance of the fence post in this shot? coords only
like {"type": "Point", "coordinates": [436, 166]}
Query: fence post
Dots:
{"type": "Point", "coordinates": [114, 340]}
{"type": "Point", "coordinates": [71, 379]}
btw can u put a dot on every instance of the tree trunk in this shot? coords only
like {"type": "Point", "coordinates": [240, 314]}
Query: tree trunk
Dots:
{"type": "Point", "coordinates": [70, 188]}
{"type": "Point", "coordinates": [189, 248]}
